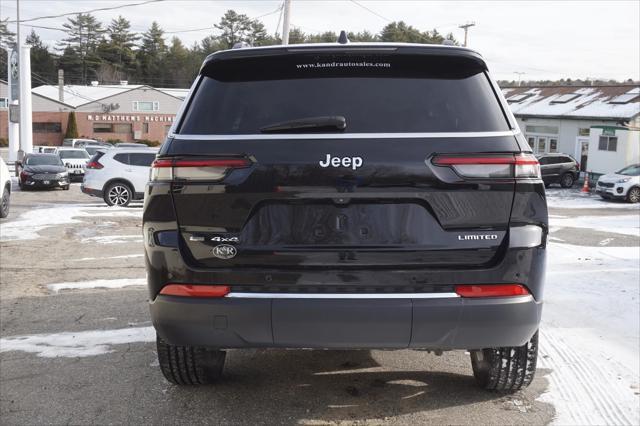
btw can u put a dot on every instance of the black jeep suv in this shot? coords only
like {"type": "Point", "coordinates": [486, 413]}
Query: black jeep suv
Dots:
{"type": "Point", "coordinates": [352, 196]}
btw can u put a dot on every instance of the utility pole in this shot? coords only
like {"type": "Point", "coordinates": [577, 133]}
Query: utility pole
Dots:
{"type": "Point", "coordinates": [285, 24]}
{"type": "Point", "coordinates": [520, 74]}
{"type": "Point", "coordinates": [466, 27]}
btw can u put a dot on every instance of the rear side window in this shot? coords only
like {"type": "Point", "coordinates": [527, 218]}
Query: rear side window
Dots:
{"type": "Point", "coordinates": [122, 158]}
{"type": "Point", "coordinates": [97, 156]}
{"type": "Point", "coordinates": [139, 159]}
{"type": "Point", "coordinates": [375, 94]}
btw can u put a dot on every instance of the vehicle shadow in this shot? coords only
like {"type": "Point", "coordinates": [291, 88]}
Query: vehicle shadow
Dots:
{"type": "Point", "coordinates": [316, 387]}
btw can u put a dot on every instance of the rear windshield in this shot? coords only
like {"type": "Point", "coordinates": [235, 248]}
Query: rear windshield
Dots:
{"type": "Point", "coordinates": [43, 160]}
{"type": "Point", "coordinates": [382, 94]}
{"type": "Point", "coordinates": [74, 154]}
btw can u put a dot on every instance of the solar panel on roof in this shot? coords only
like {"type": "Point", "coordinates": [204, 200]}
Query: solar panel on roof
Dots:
{"type": "Point", "coordinates": [623, 99]}
{"type": "Point", "coordinates": [519, 98]}
{"type": "Point", "coordinates": [563, 99]}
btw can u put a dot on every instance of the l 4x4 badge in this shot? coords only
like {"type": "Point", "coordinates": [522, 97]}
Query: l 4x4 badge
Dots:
{"type": "Point", "coordinates": [224, 251]}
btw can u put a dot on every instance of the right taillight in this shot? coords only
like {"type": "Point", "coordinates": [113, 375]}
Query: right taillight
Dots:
{"type": "Point", "coordinates": [488, 166]}
{"type": "Point", "coordinates": [193, 169]}
{"type": "Point", "coordinates": [491, 290]}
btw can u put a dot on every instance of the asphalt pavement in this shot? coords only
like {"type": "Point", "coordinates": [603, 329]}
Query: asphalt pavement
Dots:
{"type": "Point", "coordinates": [111, 375]}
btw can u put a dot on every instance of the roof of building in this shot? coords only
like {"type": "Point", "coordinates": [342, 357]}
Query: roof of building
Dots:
{"type": "Point", "coordinates": [177, 93]}
{"type": "Point", "coordinates": [78, 95]}
{"type": "Point", "coordinates": [586, 102]}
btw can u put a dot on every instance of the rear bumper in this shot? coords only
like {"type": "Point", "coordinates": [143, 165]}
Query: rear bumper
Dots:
{"type": "Point", "coordinates": [430, 323]}
{"type": "Point", "coordinates": [91, 191]}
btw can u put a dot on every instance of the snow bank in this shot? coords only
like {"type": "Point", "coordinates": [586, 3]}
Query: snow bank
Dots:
{"type": "Point", "coordinates": [114, 239]}
{"type": "Point", "coordinates": [624, 224]}
{"type": "Point", "coordinates": [590, 332]}
{"type": "Point", "coordinates": [83, 285]}
{"type": "Point", "coordinates": [124, 256]}
{"type": "Point", "coordinates": [77, 344]}
{"type": "Point", "coordinates": [574, 199]}
{"type": "Point", "coordinates": [27, 226]}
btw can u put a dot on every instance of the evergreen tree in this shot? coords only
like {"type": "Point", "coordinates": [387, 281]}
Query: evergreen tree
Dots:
{"type": "Point", "coordinates": [7, 40]}
{"type": "Point", "coordinates": [117, 48]}
{"type": "Point", "coordinates": [325, 37]}
{"type": "Point", "coordinates": [43, 62]}
{"type": "Point", "coordinates": [235, 28]}
{"type": "Point", "coordinates": [72, 127]}
{"type": "Point", "coordinates": [401, 32]}
{"type": "Point", "coordinates": [84, 35]}
{"type": "Point", "coordinates": [297, 36]}
{"type": "Point", "coordinates": [150, 56]}
{"type": "Point", "coordinates": [176, 64]}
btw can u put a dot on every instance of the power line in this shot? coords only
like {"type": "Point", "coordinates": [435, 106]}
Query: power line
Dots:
{"type": "Point", "coordinates": [189, 30]}
{"type": "Point", "coordinates": [371, 11]}
{"type": "Point", "coordinates": [86, 11]}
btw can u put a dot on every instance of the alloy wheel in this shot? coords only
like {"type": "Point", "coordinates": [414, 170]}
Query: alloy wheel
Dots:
{"type": "Point", "coordinates": [119, 195]}
{"type": "Point", "coordinates": [634, 195]}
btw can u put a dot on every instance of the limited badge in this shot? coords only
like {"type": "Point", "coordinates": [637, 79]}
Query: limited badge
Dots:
{"type": "Point", "coordinates": [224, 251]}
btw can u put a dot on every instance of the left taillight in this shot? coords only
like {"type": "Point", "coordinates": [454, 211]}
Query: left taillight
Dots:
{"type": "Point", "coordinates": [191, 169]}
{"type": "Point", "coordinates": [94, 165]}
{"type": "Point", "coordinates": [498, 166]}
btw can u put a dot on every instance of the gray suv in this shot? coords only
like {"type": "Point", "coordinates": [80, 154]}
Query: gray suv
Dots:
{"type": "Point", "coordinates": [559, 168]}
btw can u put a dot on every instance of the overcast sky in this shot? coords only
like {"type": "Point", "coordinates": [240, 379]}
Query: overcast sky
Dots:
{"type": "Point", "coordinates": [543, 39]}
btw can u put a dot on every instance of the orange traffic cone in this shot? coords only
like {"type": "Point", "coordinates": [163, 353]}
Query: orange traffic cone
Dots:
{"type": "Point", "coordinates": [585, 187]}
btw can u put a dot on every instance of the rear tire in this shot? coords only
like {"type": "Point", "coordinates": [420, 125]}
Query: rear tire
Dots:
{"type": "Point", "coordinates": [567, 180]}
{"type": "Point", "coordinates": [506, 369]}
{"type": "Point", "coordinates": [118, 194]}
{"type": "Point", "coordinates": [633, 196]}
{"type": "Point", "coordinates": [189, 365]}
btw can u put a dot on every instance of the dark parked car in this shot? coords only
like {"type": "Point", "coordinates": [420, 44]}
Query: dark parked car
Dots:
{"type": "Point", "coordinates": [42, 171]}
{"type": "Point", "coordinates": [346, 196]}
{"type": "Point", "coordinates": [559, 168]}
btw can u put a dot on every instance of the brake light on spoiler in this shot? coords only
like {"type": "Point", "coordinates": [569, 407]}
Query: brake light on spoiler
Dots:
{"type": "Point", "coordinates": [195, 169]}
{"type": "Point", "coordinates": [488, 166]}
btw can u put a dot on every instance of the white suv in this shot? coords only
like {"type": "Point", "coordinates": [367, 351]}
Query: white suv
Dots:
{"type": "Point", "coordinates": [623, 184]}
{"type": "Point", "coordinates": [74, 159]}
{"type": "Point", "coordinates": [118, 175]}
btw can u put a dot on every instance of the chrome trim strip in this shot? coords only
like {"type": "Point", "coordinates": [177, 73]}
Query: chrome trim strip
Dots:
{"type": "Point", "coordinates": [338, 136]}
{"type": "Point", "coordinates": [241, 295]}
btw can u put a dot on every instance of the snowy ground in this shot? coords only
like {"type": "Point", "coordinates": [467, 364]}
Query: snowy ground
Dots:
{"type": "Point", "coordinates": [81, 316]}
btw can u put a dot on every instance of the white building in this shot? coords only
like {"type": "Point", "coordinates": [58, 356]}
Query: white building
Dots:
{"type": "Point", "coordinates": [597, 125]}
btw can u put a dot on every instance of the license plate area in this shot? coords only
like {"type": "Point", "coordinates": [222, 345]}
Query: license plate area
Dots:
{"type": "Point", "coordinates": [339, 323]}
{"type": "Point", "coordinates": [328, 225]}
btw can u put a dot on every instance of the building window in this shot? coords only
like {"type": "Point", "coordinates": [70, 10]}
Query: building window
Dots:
{"type": "Point", "coordinates": [102, 128]}
{"type": "Point", "coordinates": [146, 106]}
{"type": "Point", "coordinates": [608, 143]}
{"type": "Point", "coordinates": [584, 132]}
{"type": "Point", "coordinates": [145, 127]}
{"type": "Point", "coordinates": [553, 145]}
{"type": "Point", "coordinates": [549, 130]}
{"type": "Point", "coordinates": [122, 128]}
{"type": "Point", "coordinates": [4, 102]}
{"type": "Point", "coordinates": [47, 127]}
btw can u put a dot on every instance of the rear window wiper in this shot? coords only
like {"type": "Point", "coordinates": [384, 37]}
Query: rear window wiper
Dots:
{"type": "Point", "coordinates": [335, 122]}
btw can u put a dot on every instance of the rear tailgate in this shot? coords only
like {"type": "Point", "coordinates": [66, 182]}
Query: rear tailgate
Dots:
{"type": "Point", "coordinates": [367, 197]}
{"type": "Point", "coordinates": [394, 210]}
